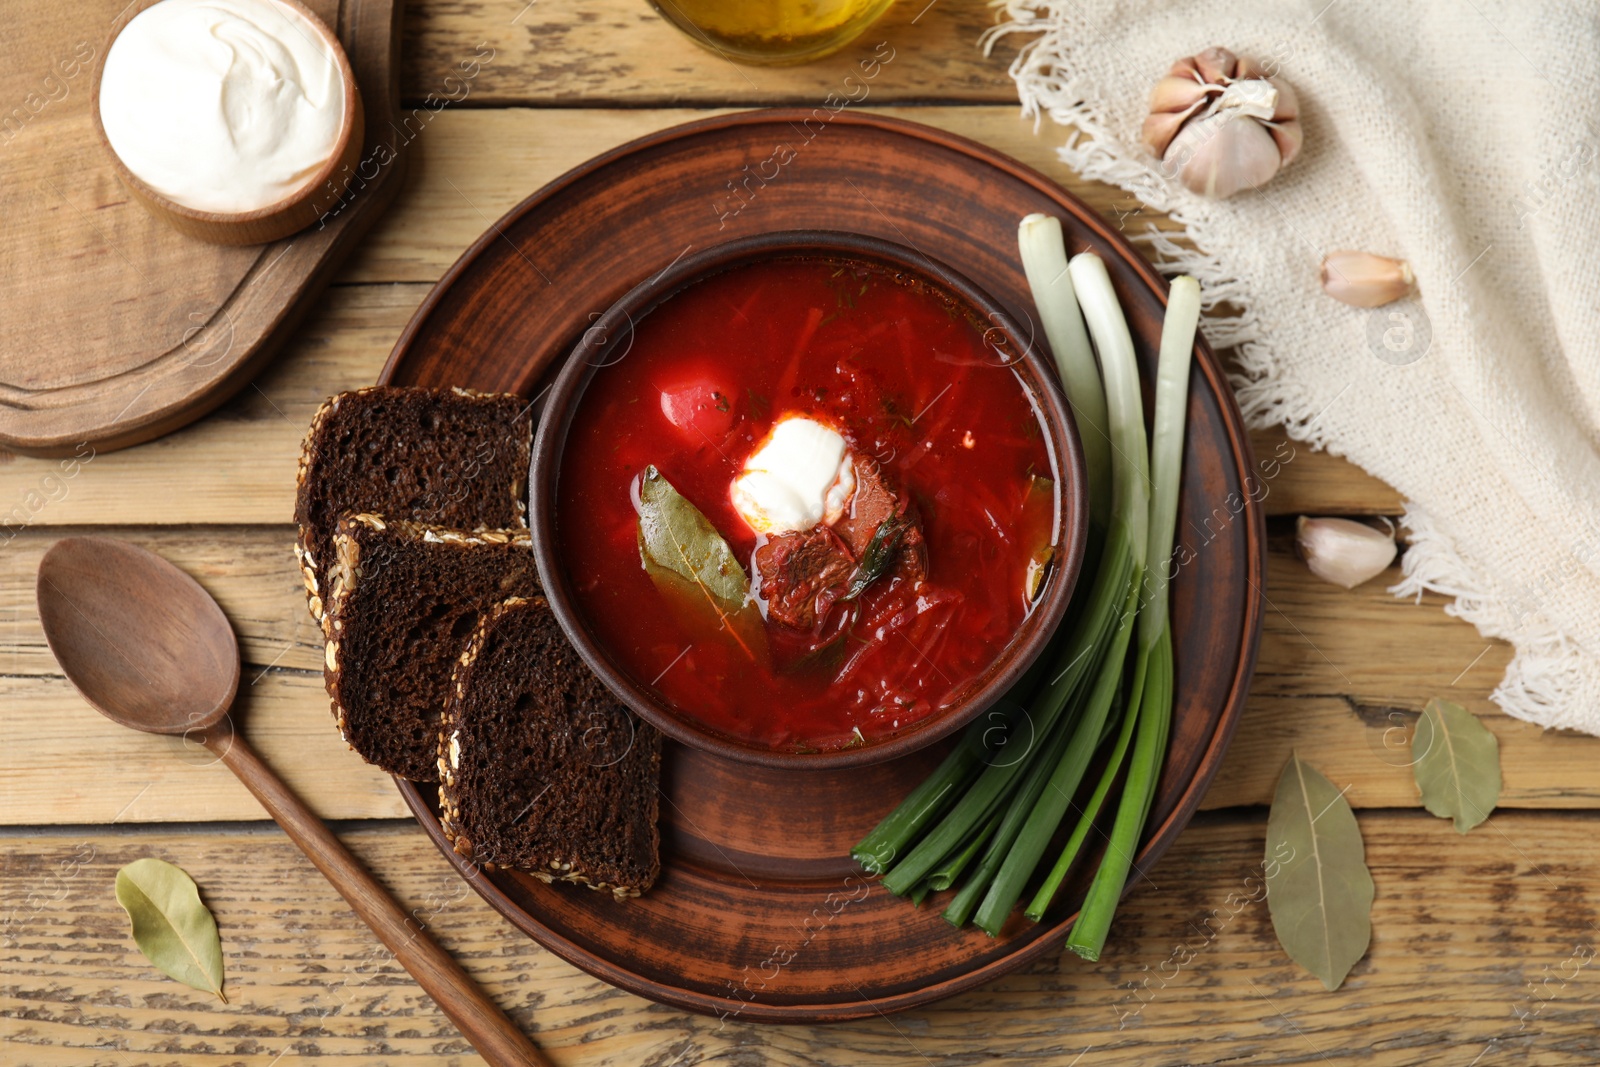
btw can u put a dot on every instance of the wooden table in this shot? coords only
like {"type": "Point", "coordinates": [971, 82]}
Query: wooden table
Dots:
{"type": "Point", "coordinates": [1481, 943]}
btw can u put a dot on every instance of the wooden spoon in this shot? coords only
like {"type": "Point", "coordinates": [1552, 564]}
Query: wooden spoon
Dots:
{"type": "Point", "coordinates": [150, 649]}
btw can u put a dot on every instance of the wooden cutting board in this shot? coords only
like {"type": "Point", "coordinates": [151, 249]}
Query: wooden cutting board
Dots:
{"type": "Point", "coordinates": [114, 327]}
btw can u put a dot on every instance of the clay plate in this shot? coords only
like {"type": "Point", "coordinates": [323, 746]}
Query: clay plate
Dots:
{"type": "Point", "coordinates": [759, 913]}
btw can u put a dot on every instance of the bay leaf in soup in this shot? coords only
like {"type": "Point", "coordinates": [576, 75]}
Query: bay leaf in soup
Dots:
{"type": "Point", "coordinates": [692, 565]}
{"type": "Point", "coordinates": [1456, 762]}
{"type": "Point", "coordinates": [1319, 891]}
{"type": "Point", "coordinates": [172, 928]}
{"type": "Point", "coordinates": [1037, 526]}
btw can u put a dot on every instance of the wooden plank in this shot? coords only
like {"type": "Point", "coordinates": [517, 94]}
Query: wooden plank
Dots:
{"type": "Point", "coordinates": [70, 765]}
{"type": "Point", "coordinates": [1480, 943]}
{"type": "Point", "coordinates": [1341, 676]}
{"type": "Point", "coordinates": [1298, 480]}
{"type": "Point", "coordinates": [455, 190]}
{"type": "Point", "coordinates": [621, 52]}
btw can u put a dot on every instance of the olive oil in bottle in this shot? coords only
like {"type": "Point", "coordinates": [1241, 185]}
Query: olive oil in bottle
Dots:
{"type": "Point", "coordinates": [772, 31]}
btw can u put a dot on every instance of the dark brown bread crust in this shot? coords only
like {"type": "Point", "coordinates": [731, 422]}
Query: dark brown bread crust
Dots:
{"type": "Point", "coordinates": [402, 601]}
{"type": "Point", "coordinates": [540, 768]}
{"type": "Point", "coordinates": [445, 456]}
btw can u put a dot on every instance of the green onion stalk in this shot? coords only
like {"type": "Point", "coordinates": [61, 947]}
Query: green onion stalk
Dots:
{"type": "Point", "coordinates": [1044, 260]}
{"type": "Point", "coordinates": [1088, 934]}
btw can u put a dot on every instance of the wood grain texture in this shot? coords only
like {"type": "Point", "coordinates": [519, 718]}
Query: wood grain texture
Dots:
{"type": "Point", "coordinates": [118, 328]}
{"type": "Point", "coordinates": [1341, 674]}
{"type": "Point", "coordinates": [1481, 943]}
{"type": "Point", "coordinates": [620, 53]}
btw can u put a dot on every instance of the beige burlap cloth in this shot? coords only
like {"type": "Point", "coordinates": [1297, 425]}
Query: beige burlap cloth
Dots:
{"type": "Point", "coordinates": [1460, 135]}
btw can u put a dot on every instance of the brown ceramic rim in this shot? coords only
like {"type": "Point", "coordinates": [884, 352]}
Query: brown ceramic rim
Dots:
{"type": "Point", "coordinates": [1207, 369]}
{"type": "Point", "coordinates": [263, 224]}
{"type": "Point", "coordinates": [614, 329]}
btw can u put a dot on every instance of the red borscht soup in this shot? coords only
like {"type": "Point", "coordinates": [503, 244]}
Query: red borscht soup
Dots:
{"type": "Point", "coordinates": [808, 505]}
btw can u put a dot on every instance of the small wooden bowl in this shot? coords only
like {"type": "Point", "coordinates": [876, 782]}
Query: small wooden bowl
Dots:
{"type": "Point", "coordinates": [260, 225]}
{"type": "Point", "coordinates": [614, 330]}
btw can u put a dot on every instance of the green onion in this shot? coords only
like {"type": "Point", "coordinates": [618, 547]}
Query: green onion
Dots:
{"type": "Point", "coordinates": [1044, 259]}
{"type": "Point", "coordinates": [1130, 458]}
{"type": "Point", "coordinates": [1088, 935]}
{"type": "Point", "coordinates": [1166, 447]}
{"type": "Point", "coordinates": [1006, 829]}
{"type": "Point", "coordinates": [1086, 818]}
{"type": "Point", "coordinates": [1067, 772]}
{"type": "Point", "coordinates": [946, 874]}
{"type": "Point", "coordinates": [879, 849]}
{"type": "Point", "coordinates": [985, 796]}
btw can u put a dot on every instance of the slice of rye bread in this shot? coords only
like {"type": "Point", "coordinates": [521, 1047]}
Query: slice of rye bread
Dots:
{"type": "Point", "coordinates": [445, 456]}
{"type": "Point", "coordinates": [541, 769]}
{"type": "Point", "coordinates": [403, 599]}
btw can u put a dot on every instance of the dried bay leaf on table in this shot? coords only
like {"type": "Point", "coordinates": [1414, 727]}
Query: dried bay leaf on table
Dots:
{"type": "Point", "coordinates": [693, 566]}
{"type": "Point", "coordinates": [1456, 762]}
{"type": "Point", "coordinates": [1319, 891]}
{"type": "Point", "coordinates": [172, 928]}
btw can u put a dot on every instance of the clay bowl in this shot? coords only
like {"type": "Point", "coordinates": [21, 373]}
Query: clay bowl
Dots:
{"type": "Point", "coordinates": [293, 213]}
{"type": "Point", "coordinates": [608, 339]}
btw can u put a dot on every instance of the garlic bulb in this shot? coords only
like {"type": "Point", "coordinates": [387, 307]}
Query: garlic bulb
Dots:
{"type": "Point", "coordinates": [1342, 551]}
{"type": "Point", "coordinates": [1364, 280]}
{"type": "Point", "coordinates": [1221, 124]}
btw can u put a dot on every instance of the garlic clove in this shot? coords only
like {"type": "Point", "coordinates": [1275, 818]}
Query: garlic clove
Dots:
{"type": "Point", "coordinates": [1224, 153]}
{"type": "Point", "coordinates": [1185, 68]}
{"type": "Point", "coordinates": [1249, 68]}
{"type": "Point", "coordinates": [1216, 64]}
{"type": "Point", "coordinates": [1288, 136]}
{"type": "Point", "coordinates": [1160, 127]}
{"type": "Point", "coordinates": [1176, 94]}
{"type": "Point", "coordinates": [1288, 102]}
{"type": "Point", "coordinates": [1364, 280]}
{"type": "Point", "coordinates": [1342, 551]}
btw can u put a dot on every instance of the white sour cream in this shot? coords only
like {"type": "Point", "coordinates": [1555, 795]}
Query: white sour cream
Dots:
{"type": "Point", "coordinates": [801, 475]}
{"type": "Point", "coordinates": [222, 105]}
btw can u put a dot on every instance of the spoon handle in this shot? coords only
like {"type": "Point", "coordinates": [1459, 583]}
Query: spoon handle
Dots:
{"type": "Point", "coordinates": [496, 1037]}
